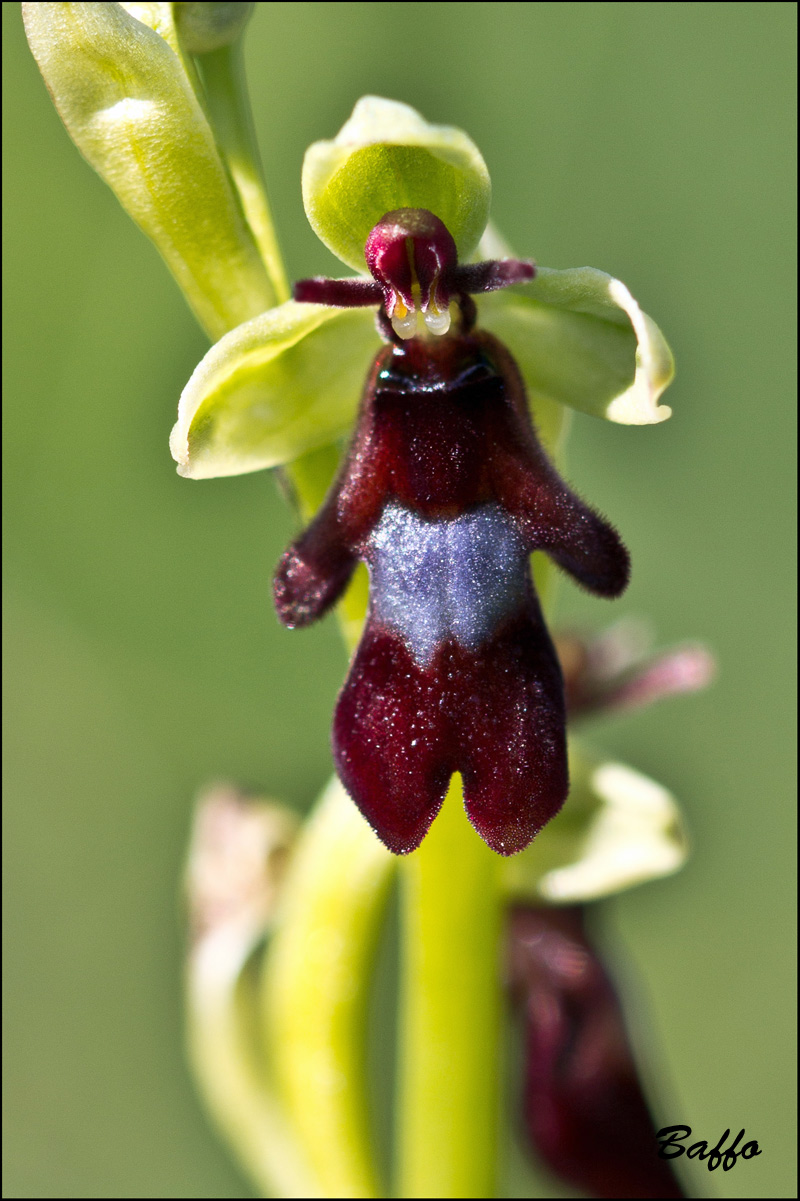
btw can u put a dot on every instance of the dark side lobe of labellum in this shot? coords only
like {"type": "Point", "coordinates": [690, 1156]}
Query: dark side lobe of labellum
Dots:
{"type": "Point", "coordinates": [584, 1110]}
{"type": "Point", "coordinates": [444, 492]}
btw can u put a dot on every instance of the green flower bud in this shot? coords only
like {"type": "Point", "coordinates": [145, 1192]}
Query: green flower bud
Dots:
{"type": "Point", "coordinates": [126, 99]}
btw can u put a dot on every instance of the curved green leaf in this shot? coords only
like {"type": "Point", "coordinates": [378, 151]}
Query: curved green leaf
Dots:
{"type": "Point", "coordinates": [580, 339]}
{"type": "Point", "coordinates": [282, 384]}
{"type": "Point", "coordinates": [388, 157]}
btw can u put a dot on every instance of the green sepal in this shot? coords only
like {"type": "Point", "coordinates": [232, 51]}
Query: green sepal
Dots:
{"type": "Point", "coordinates": [387, 157]}
{"type": "Point", "coordinates": [581, 340]}
{"type": "Point", "coordinates": [618, 828]}
{"type": "Point", "coordinates": [275, 387]}
{"type": "Point", "coordinates": [129, 105]}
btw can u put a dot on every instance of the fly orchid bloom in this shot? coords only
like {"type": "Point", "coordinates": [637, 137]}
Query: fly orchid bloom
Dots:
{"type": "Point", "coordinates": [445, 498]}
{"type": "Point", "coordinates": [445, 492]}
{"type": "Point", "coordinates": [447, 487]}
{"type": "Point", "coordinates": [472, 364]}
{"type": "Point", "coordinates": [288, 381]}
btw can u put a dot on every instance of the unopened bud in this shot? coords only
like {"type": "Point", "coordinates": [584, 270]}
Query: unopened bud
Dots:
{"type": "Point", "coordinates": [236, 859]}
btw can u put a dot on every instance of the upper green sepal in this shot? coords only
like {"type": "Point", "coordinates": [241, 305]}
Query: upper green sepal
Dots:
{"type": "Point", "coordinates": [387, 157]}
{"type": "Point", "coordinates": [580, 339]}
{"type": "Point", "coordinates": [617, 828]}
{"type": "Point", "coordinates": [275, 387]}
{"type": "Point", "coordinates": [127, 98]}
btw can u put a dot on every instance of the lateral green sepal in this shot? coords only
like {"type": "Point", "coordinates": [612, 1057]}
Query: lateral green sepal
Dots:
{"type": "Point", "coordinates": [275, 387]}
{"type": "Point", "coordinates": [581, 340]}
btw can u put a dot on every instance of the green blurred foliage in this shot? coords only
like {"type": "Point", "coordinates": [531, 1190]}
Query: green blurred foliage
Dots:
{"type": "Point", "coordinates": [652, 140]}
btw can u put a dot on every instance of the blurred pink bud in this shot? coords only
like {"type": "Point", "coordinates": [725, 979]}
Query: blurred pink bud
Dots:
{"type": "Point", "coordinates": [612, 670]}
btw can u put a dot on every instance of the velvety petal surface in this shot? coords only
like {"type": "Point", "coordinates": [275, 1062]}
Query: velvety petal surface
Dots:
{"type": "Point", "coordinates": [275, 387]}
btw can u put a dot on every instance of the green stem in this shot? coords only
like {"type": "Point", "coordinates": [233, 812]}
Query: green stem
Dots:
{"type": "Point", "coordinates": [448, 1105]}
{"type": "Point", "coordinates": [317, 971]}
{"type": "Point", "coordinates": [316, 982]}
{"type": "Point", "coordinates": [228, 102]}
{"type": "Point", "coordinates": [450, 1004]}
{"type": "Point", "coordinates": [450, 1017]}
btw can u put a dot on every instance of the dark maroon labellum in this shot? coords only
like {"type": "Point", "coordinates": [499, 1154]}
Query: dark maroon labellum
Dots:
{"type": "Point", "coordinates": [444, 492]}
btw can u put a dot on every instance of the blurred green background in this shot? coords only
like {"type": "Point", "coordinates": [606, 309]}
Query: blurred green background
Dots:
{"type": "Point", "coordinates": [142, 655]}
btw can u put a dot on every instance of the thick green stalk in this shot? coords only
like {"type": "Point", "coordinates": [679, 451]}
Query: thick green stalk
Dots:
{"type": "Point", "coordinates": [318, 968]}
{"type": "Point", "coordinates": [228, 103]}
{"type": "Point", "coordinates": [451, 980]}
{"type": "Point", "coordinates": [318, 972]}
{"type": "Point", "coordinates": [448, 1102]}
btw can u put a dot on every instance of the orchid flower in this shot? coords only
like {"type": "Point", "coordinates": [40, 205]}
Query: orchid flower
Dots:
{"type": "Point", "coordinates": [289, 380]}
{"type": "Point", "coordinates": [154, 97]}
